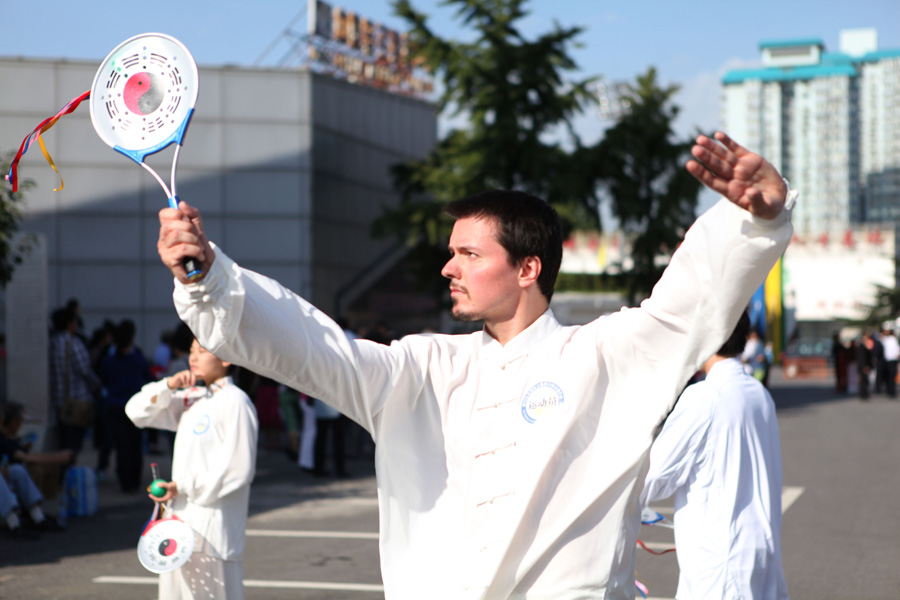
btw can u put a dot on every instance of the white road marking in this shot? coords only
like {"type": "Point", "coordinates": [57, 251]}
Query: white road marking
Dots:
{"type": "Point", "coordinates": [126, 580]}
{"type": "Point", "coordinates": [314, 585]}
{"type": "Point", "coordinates": [789, 495]}
{"type": "Point", "coordinates": [257, 583]}
{"type": "Point", "coordinates": [344, 535]}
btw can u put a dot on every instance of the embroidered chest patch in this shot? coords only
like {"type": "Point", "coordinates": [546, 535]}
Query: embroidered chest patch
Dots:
{"type": "Point", "coordinates": [202, 426]}
{"type": "Point", "coordinates": [543, 400]}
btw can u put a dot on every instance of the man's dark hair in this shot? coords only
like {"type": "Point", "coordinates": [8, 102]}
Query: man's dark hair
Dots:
{"type": "Point", "coordinates": [735, 344]}
{"type": "Point", "coordinates": [11, 411]}
{"type": "Point", "coordinates": [527, 226]}
{"type": "Point", "coordinates": [182, 338]}
{"type": "Point", "coordinates": [123, 336]}
{"type": "Point", "coordinates": [61, 319]}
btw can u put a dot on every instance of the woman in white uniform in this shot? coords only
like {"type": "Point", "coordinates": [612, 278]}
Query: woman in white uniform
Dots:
{"type": "Point", "coordinates": [212, 467]}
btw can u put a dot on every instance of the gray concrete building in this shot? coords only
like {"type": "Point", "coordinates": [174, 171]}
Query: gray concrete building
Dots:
{"type": "Point", "coordinates": [289, 167]}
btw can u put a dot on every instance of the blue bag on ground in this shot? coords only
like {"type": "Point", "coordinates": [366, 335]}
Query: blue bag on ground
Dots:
{"type": "Point", "coordinates": [81, 491]}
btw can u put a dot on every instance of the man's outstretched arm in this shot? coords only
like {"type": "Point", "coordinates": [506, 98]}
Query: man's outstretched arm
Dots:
{"type": "Point", "coordinates": [255, 322]}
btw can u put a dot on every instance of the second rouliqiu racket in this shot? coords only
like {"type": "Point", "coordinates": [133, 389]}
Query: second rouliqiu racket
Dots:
{"type": "Point", "coordinates": [166, 544]}
{"type": "Point", "coordinates": [142, 101]}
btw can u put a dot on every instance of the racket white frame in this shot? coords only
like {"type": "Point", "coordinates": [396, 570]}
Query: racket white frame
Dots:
{"type": "Point", "coordinates": [140, 135]}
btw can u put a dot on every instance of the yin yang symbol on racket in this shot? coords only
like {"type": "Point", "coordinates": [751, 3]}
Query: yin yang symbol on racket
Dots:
{"type": "Point", "coordinates": [142, 101]}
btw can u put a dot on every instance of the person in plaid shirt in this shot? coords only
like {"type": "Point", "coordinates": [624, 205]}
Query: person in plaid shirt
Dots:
{"type": "Point", "coordinates": [71, 376]}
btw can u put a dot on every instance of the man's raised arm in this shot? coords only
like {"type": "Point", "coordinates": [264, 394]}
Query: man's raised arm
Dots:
{"type": "Point", "coordinates": [724, 257]}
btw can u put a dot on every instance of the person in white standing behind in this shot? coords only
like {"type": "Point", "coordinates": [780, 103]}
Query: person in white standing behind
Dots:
{"type": "Point", "coordinates": [891, 356]}
{"type": "Point", "coordinates": [719, 455]}
{"type": "Point", "coordinates": [213, 465]}
{"type": "Point", "coordinates": [510, 461]}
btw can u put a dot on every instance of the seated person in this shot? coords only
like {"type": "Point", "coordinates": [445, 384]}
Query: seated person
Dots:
{"type": "Point", "coordinates": [16, 476]}
{"type": "Point", "coordinates": [12, 415]}
{"type": "Point", "coordinates": [18, 490]}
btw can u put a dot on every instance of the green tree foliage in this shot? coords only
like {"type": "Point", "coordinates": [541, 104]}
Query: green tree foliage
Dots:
{"type": "Point", "coordinates": [886, 307]}
{"type": "Point", "coordinates": [514, 96]}
{"type": "Point", "coordinates": [12, 250]}
{"type": "Point", "coordinates": [642, 172]}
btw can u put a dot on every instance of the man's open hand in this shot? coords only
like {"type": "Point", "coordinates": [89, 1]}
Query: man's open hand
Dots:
{"type": "Point", "coordinates": [745, 178]}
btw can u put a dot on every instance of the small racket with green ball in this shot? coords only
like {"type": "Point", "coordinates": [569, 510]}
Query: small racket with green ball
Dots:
{"type": "Point", "coordinates": [154, 488]}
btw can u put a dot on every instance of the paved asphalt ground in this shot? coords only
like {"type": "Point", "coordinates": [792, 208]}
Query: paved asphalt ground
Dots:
{"type": "Point", "coordinates": [316, 539]}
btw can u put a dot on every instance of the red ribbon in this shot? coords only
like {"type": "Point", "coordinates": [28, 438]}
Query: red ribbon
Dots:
{"type": "Point", "coordinates": [46, 124]}
{"type": "Point", "coordinates": [654, 552]}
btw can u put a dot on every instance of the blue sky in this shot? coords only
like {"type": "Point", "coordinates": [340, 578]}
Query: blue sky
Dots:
{"type": "Point", "coordinates": [690, 42]}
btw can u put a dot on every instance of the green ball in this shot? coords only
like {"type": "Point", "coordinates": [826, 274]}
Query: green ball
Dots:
{"type": "Point", "coordinates": [158, 490]}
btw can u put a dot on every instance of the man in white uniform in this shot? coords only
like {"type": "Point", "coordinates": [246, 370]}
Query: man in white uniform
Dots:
{"type": "Point", "coordinates": [510, 461]}
{"type": "Point", "coordinates": [719, 455]}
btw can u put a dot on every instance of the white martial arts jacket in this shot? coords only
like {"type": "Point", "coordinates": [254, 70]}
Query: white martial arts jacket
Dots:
{"type": "Point", "coordinates": [505, 470]}
{"type": "Point", "coordinates": [214, 458]}
{"type": "Point", "coordinates": [720, 456]}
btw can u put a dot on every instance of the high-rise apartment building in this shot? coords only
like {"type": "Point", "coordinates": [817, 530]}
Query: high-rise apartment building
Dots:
{"type": "Point", "coordinates": [829, 121]}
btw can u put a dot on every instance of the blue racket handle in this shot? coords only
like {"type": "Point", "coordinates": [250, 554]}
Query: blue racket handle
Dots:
{"type": "Point", "coordinates": [191, 266]}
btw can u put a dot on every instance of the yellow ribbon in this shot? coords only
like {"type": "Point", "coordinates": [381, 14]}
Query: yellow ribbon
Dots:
{"type": "Point", "coordinates": [50, 160]}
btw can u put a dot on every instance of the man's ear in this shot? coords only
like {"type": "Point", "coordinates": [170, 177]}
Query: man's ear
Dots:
{"type": "Point", "coordinates": [529, 270]}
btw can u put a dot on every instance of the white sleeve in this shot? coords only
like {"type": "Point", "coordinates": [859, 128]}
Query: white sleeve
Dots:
{"type": "Point", "coordinates": [155, 406]}
{"type": "Point", "coordinates": [234, 465]}
{"type": "Point", "coordinates": [679, 446]}
{"type": "Point", "coordinates": [255, 322]}
{"type": "Point", "coordinates": [725, 256]}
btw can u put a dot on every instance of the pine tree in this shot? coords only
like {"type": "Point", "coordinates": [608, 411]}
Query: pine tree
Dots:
{"type": "Point", "coordinates": [642, 172]}
{"type": "Point", "coordinates": [11, 252]}
{"type": "Point", "coordinates": [516, 101]}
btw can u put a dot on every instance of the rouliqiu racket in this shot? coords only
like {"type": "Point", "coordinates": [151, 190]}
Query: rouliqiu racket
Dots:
{"type": "Point", "coordinates": [142, 101]}
{"type": "Point", "coordinates": [165, 544]}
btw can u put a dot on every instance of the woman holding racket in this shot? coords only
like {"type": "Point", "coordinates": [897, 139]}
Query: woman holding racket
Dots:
{"type": "Point", "coordinates": [213, 465]}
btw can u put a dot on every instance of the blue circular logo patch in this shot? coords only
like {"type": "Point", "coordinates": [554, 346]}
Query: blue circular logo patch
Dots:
{"type": "Point", "coordinates": [542, 400]}
{"type": "Point", "coordinates": [202, 426]}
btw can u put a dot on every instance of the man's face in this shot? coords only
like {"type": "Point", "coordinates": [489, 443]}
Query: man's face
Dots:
{"type": "Point", "coordinates": [483, 284]}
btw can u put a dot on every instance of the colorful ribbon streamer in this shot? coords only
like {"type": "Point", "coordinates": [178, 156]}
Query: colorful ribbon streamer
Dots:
{"type": "Point", "coordinates": [652, 518]}
{"type": "Point", "coordinates": [13, 176]}
{"type": "Point", "coordinates": [654, 552]}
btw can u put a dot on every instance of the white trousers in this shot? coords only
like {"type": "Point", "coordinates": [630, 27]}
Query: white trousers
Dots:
{"type": "Point", "coordinates": [204, 577]}
{"type": "Point", "coordinates": [306, 458]}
